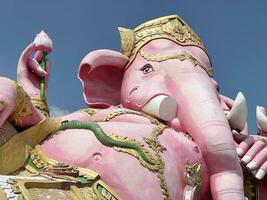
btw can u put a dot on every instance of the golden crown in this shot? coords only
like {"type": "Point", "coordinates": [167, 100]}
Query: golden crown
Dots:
{"type": "Point", "coordinates": [171, 27]}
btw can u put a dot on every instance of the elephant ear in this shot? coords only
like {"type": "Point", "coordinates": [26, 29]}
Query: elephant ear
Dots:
{"type": "Point", "coordinates": [101, 74]}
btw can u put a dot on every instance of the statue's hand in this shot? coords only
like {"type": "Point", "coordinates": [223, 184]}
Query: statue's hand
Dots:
{"type": "Point", "coordinates": [261, 120]}
{"type": "Point", "coordinates": [29, 72]}
{"type": "Point", "coordinates": [252, 150]}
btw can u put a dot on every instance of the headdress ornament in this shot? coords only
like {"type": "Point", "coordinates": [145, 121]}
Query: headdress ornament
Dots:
{"type": "Point", "coordinates": [170, 27]}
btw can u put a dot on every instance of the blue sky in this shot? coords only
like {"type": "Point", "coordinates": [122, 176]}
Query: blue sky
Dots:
{"type": "Point", "coordinates": [235, 33]}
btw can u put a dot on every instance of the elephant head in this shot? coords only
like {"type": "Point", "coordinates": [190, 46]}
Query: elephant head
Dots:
{"type": "Point", "coordinates": [164, 70]}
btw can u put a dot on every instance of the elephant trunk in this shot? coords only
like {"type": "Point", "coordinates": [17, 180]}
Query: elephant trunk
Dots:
{"type": "Point", "coordinates": [200, 115]}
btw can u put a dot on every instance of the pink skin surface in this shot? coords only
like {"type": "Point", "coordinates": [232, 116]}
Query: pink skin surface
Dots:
{"type": "Point", "coordinates": [121, 171]}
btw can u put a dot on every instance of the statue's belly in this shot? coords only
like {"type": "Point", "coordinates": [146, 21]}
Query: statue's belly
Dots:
{"type": "Point", "coordinates": [128, 176]}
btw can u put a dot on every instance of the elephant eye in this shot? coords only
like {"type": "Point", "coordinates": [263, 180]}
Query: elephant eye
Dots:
{"type": "Point", "coordinates": [147, 69]}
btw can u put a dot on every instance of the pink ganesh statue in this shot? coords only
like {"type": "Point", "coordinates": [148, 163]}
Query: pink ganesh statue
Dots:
{"type": "Point", "coordinates": [156, 127]}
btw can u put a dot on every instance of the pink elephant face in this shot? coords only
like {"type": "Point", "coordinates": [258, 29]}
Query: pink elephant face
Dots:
{"type": "Point", "coordinates": [146, 78]}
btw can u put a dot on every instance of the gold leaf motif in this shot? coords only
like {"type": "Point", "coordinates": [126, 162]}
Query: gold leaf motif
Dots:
{"type": "Point", "coordinates": [192, 174]}
{"type": "Point", "coordinates": [21, 108]}
{"type": "Point", "coordinates": [181, 56]}
{"type": "Point", "coordinates": [153, 143]}
{"type": "Point", "coordinates": [127, 40]}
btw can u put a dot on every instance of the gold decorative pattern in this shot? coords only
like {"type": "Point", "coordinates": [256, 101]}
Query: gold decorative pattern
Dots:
{"type": "Point", "coordinates": [88, 111]}
{"type": "Point", "coordinates": [251, 189]}
{"type": "Point", "coordinates": [124, 112]}
{"type": "Point", "coordinates": [57, 194]}
{"type": "Point", "coordinates": [32, 188]}
{"type": "Point", "coordinates": [153, 143]}
{"type": "Point", "coordinates": [181, 56]}
{"type": "Point", "coordinates": [22, 107]}
{"type": "Point", "coordinates": [127, 40]}
{"type": "Point", "coordinates": [7, 131]}
{"type": "Point", "coordinates": [150, 166]}
{"type": "Point", "coordinates": [83, 193]}
{"type": "Point", "coordinates": [83, 183]}
{"type": "Point", "coordinates": [50, 166]}
{"type": "Point", "coordinates": [41, 106]}
{"type": "Point", "coordinates": [192, 174]}
{"type": "Point", "coordinates": [2, 194]}
{"type": "Point", "coordinates": [169, 27]}
{"type": "Point", "coordinates": [12, 158]}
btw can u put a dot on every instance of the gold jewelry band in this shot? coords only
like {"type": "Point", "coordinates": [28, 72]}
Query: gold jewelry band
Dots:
{"type": "Point", "coordinates": [41, 106]}
{"type": "Point", "coordinates": [22, 107]}
{"type": "Point", "coordinates": [264, 141]}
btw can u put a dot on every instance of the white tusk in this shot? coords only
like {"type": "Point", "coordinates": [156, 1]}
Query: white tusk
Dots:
{"type": "Point", "coordinates": [237, 116]}
{"type": "Point", "coordinates": [261, 118]}
{"type": "Point", "coordinates": [162, 106]}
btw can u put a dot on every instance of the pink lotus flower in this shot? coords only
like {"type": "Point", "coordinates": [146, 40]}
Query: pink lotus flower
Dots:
{"type": "Point", "coordinates": [43, 42]}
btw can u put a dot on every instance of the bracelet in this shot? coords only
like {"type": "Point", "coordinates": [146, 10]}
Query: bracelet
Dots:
{"type": "Point", "coordinates": [22, 107]}
{"type": "Point", "coordinates": [41, 106]}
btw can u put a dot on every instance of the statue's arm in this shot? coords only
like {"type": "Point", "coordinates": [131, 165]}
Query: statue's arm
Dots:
{"type": "Point", "coordinates": [33, 71]}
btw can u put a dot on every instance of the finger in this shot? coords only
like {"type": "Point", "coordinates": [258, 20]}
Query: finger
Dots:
{"type": "Point", "coordinates": [27, 52]}
{"type": "Point", "coordinates": [38, 56]}
{"type": "Point", "coordinates": [262, 171]}
{"type": "Point", "coordinates": [244, 146]}
{"type": "Point", "coordinates": [254, 151]}
{"type": "Point", "coordinates": [239, 137]}
{"type": "Point", "coordinates": [259, 159]}
{"type": "Point", "coordinates": [36, 68]}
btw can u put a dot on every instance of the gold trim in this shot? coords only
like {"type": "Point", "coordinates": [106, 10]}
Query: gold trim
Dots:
{"type": "Point", "coordinates": [50, 168]}
{"type": "Point", "coordinates": [22, 107]}
{"type": "Point", "coordinates": [15, 151]}
{"type": "Point", "coordinates": [7, 131]}
{"type": "Point", "coordinates": [181, 56]}
{"type": "Point", "coordinates": [85, 193]}
{"type": "Point", "coordinates": [2, 194]}
{"type": "Point", "coordinates": [169, 27]}
{"type": "Point", "coordinates": [107, 193]}
{"type": "Point", "coordinates": [192, 174]}
{"type": "Point", "coordinates": [41, 106]}
{"type": "Point", "coordinates": [112, 115]}
{"type": "Point", "coordinates": [42, 162]}
{"type": "Point", "coordinates": [127, 40]}
{"type": "Point", "coordinates": [251, 189]}
{"type": "Point", "coordinates": [43, 157]}
{"type": "Point", "coordinates": [88, 111]}
{"type": "Point", "coordinates": [153, 143]}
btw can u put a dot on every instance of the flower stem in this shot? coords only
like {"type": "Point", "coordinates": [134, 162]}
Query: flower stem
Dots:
{"type": "Point", "coordinates": [42, 79]}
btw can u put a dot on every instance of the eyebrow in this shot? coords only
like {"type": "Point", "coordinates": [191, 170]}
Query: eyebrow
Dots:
{"type": "Point", "coordinates": [181, 56]}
